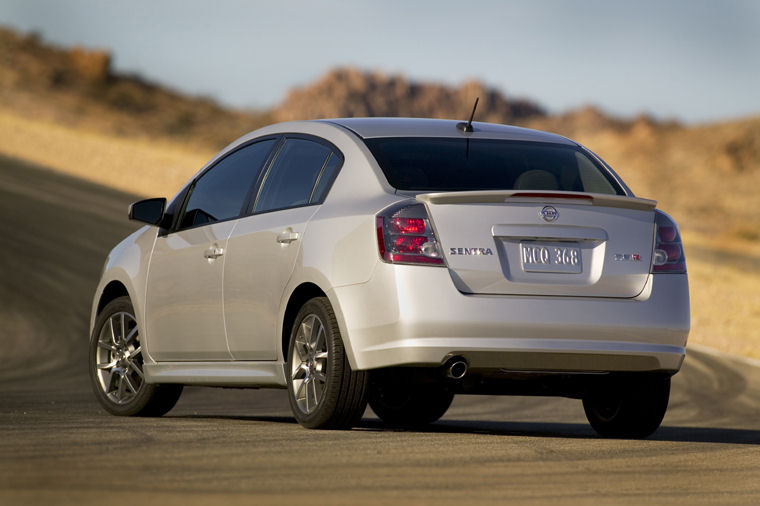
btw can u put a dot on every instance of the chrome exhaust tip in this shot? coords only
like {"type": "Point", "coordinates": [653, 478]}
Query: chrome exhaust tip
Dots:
{"type": "Point", "coordinates": [456, 368]}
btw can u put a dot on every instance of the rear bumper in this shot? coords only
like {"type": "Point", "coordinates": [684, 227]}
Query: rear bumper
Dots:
{"type": "Point", "coordinates": [410, 315]}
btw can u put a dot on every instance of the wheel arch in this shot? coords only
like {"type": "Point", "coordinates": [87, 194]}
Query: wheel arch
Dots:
{"type": "Point", "coordinates": [125, 273]}
{"type": "Point", "coordinates": [298, 298]}
{"type": "Point", "coordinates": [113, 290]}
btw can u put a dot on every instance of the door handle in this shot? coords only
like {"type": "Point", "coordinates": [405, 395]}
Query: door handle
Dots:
{"type": "Point", "coordinates": [213, 253]}
{"type": "Point", "coordinates": [287, 237]}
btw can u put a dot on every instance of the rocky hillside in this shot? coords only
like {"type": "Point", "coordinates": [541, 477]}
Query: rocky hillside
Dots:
{"type": "Point", "coordinates": [77, 87]}
{"type": "Point", "coordinates": [348, 92]}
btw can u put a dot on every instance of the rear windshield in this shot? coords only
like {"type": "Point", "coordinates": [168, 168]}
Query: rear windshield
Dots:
{"type": "Point", "coordinates": [443, 164]}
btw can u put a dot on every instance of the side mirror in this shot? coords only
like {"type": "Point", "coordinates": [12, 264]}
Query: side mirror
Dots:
{"type": "Point", "coordinates": [148, 211]}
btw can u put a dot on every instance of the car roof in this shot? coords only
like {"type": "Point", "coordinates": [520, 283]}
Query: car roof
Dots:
{"type": "Point", "coordinates": [368, 128]}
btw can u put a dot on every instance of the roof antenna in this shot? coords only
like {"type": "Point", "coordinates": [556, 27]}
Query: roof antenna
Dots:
{"type": "Point", "coordinates": [467, 127]}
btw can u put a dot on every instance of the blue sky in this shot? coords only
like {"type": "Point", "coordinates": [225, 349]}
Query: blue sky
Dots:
{"type": "Point", "coordinates": [692, 60]}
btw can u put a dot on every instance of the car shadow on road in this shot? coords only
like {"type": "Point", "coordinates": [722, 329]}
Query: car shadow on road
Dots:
{"type": "Point", "coordinates": [583, 431]}
{"type": "Point", "coordinates": [665, 433]}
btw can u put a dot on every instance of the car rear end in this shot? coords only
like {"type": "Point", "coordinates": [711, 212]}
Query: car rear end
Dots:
{"type": "Point", "coordinates": [516, 256]}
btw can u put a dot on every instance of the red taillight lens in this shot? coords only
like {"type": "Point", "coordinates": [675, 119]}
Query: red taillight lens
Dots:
{"type": "Point", "coordinates": [404, 235]}
{"type": "Point", "coordinates": [667, 233]}
{"type": "Point", "coordinates": [409, 244]}
{"type": "Point", "coordinates": [672, 250]}
{"type": "Point", "coordinates": [668, 249]}
{"type": "Point", "coordinates": [408, 226]}
{"type": "Point", "coordinates": [380, 235]}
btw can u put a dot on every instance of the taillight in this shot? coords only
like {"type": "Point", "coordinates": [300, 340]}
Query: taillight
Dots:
{"type": "Point", "coordinates": [668, 248]}
{"type": "Point", "coordinates": [404, 235]}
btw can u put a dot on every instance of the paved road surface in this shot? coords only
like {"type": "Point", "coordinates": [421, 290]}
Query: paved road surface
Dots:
{"type": "Point", "coordinates": [242, 446]}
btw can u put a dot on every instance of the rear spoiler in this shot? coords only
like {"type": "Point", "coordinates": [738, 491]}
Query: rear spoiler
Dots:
{"type": "Point", "coordinates": [539, 197]}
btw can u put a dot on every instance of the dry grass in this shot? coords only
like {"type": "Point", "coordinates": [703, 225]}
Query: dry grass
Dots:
{"type": "Point", "coordinates": [706, 177]}
{"type": "Point", "coordinates": [725, 302]}
{"type": "Point", "coordinates": [153, 168]}
{"type": "Point", "coordinates": [724, 270]}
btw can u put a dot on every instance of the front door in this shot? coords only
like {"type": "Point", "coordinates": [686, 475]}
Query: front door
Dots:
{"type": "Point", "coordinates": [184, 300]}
{"type": "Point", "coordinates": [184, 317]}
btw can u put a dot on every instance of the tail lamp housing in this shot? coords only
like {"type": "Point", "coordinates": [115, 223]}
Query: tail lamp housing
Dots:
{"type": "Point", "coordinates": [405, 236]}
{"type": "Point", "coordinates": [668, 248]}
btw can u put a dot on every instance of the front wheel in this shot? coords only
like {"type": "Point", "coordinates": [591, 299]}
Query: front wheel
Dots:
{"type": "Point", "coordinates": [116, 366]}
{"type": "Point", "coordinates": [324, 392]}
{"type": "Point", "coordinates": [634, 408]}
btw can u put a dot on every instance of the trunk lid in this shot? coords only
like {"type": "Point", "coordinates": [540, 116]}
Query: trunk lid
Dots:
{"type": "Point", "coordinates": [544, 243]}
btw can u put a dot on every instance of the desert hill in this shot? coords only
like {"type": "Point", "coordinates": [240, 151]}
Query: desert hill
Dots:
{"type": "Point", "coordinates": [348, 92]}
{"type": "Point", "coordinates": [77, 87]}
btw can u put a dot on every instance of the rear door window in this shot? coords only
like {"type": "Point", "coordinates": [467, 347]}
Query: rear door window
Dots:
{"type": "Point", "coordinates": [221, 192]}
{"type": "Point", "coordinates": [300, 175]}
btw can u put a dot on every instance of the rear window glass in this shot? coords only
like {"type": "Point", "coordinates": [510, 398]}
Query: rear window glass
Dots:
{"type": "Point", "coordinates": [443, 164]}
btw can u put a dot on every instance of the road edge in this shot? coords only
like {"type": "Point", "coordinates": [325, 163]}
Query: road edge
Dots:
{"type": "Point", "coordinates": [709, 350]}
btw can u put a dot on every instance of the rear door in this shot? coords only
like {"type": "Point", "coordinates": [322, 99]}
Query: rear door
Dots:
{"type": "Point", "coordinates": [264, 248]}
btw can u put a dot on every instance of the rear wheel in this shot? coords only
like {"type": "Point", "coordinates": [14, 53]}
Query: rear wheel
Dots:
{"type": "Point", "coordinates": [116, 366]}
{"type": "Point", "coordinates": [634, 408]}
{"type": "Point", "coordinates": [404, 402]}
{"type": "Point", "coordinates": [324, 392]}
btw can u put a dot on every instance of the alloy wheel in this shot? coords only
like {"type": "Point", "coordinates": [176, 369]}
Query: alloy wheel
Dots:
{"type": "Point", "coordinates": [309, 364]}
{"type": "Point", "coordinates": [119, 359]}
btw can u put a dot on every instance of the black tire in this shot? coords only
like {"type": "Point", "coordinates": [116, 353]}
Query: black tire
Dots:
{"type": "Point", "coordinates": [116, 362]}
{"type": "Point", "coordinates": [324, 392]}
{"type": "Point", "coordinates": [402, 402]}
{"type": "Point", "coordinates": [631, 409]}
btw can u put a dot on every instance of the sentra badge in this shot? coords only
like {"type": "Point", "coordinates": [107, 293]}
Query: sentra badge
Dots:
{"type": "Point", "coordinates": [470, 251]}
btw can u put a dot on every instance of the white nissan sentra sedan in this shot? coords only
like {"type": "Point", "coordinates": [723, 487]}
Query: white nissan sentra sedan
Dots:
{"type": "Point", "coordinates": [397, 262]}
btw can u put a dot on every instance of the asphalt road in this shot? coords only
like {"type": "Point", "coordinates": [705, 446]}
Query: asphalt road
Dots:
{"type": "Point", "coordinates": [242, 446]}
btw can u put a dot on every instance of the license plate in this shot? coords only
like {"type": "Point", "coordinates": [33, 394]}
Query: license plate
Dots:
{"type": "Point", "coordinates": [551, 257]}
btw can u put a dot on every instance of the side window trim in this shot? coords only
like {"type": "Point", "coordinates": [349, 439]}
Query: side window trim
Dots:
{"type": "Point", "coordinates": [334, 151]}
{"type": "Point", "coordinates": [333, 176]}
{"type": "Point", "coordinates": [256, 192]}
{"type": "Point", "coordinates": [181, 200]}
{"type": "Point", "coordinates": [319, 178]}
